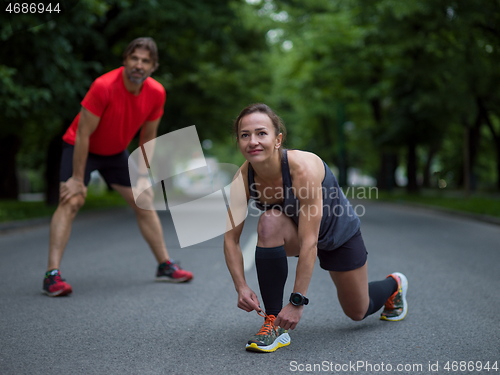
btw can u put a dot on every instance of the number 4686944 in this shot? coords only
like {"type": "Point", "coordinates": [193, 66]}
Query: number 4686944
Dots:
{"type": "Point", "coordinates": [32, 8]}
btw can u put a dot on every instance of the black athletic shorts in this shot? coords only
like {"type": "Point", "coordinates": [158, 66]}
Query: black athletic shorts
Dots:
{"type": "Point", "coordinates": [112, 168]}
{"type": "Point", "coordinates": [350, 256]}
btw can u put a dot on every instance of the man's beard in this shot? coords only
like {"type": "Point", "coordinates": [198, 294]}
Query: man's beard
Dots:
{"type": "Point", "coordinates": [134, 79]}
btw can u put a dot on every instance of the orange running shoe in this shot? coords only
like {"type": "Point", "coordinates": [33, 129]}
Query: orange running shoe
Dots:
{"type": "Point", "coordinates": [269, 338]}
{"type": "Point", "coordinates": [396, 306]}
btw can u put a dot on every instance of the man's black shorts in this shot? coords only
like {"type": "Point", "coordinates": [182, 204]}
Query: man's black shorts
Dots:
{"type": "Point", "coordinates": [113, 168]}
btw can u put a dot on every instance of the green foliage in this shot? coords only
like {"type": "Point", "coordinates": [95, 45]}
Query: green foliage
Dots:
{"type": "Point", "coordinates": [407, 74]}
{"type": "Point", "coordinates": [12, 210]}
{"type": "Point", "coordinates": [204, 56]}
{"type": "Point", "coordinates": [354, 80]}
{"type": "Point", "coordinates": [450, 200]}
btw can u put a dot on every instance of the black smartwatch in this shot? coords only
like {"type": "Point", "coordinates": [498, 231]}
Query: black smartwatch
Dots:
{"type": "Point", "coordinates": [298, 299]}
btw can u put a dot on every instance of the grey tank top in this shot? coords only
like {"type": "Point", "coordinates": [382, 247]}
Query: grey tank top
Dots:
{"type": "Point", "coordinates": [339, 222]}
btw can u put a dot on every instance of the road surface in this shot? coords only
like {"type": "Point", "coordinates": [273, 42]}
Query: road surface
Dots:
{"type": "Point", "coordinates": [119, 321]}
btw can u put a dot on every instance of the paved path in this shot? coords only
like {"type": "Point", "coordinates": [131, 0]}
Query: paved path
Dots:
{"type": "Point", "coordinates": [119, 321]}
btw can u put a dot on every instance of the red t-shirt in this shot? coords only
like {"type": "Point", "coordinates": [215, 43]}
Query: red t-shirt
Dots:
{"type": "Point", "coordinates": [121, 112]}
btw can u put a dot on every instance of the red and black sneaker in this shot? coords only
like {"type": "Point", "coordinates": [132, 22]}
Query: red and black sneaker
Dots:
{"type": "Point", "coordinates": [54, 285]}
{"type": "Point", "coordinates": [172, 272]}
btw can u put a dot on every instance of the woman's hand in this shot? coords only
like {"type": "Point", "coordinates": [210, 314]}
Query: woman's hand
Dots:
{"type": "Point", "coordinates": [289, 316]}
{"type": "Point", "coordinates": [248, 300]}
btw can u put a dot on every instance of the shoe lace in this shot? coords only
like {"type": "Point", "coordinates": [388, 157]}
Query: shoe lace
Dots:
{"type": "Point", "coordinates": [389, 304]}
{"type": "Point", "coordinates": [394, 301]}
{"type": "Point", "coordinates": [174, 266]}
{"type": "Point", "coordinates": [53, 279]}
{"type": "Point", "coordinates": [268, 325]}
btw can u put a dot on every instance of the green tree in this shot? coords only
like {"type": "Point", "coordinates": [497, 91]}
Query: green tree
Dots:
{"type": "Point", "coordinates": [420, 68]}
{"type": "Point", "coordinates": [45, 71]}
{"type": "Point", "coordinates": [39, 65]}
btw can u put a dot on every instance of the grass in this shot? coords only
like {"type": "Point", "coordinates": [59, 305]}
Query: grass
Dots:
{"type": "Point", "coordinates": [477, 203]}
{"type": "Point", "coordinates": [12, 210]}
{"type": "Point", "coordinates": [480, 204]}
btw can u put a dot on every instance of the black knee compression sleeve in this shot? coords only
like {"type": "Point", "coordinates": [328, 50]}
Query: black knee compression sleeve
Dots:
{"type": "Point", "coordinates": [272, 271]}
{"type": "Point", "coordinates": [379, 292]}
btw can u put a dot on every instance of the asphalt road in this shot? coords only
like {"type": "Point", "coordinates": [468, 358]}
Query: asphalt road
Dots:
{"type": "Point", "coordinates": [119, 321]}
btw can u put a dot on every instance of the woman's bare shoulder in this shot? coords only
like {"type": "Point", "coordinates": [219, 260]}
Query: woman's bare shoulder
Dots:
{"type": "Point", "coordinates": [304, 161]}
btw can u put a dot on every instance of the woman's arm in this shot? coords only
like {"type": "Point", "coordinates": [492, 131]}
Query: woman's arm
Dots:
{"type": "Point", "coordinates": [247, 299]}
{"type": "Point", "coordinates": [307, 173]}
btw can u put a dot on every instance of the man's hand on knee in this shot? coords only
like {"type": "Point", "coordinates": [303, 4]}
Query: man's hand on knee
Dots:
{"type": "Point", "coordinates": [70, 188]}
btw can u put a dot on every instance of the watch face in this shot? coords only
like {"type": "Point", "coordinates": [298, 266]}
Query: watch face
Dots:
{"type": "Point", "coordinates": [296, 299]}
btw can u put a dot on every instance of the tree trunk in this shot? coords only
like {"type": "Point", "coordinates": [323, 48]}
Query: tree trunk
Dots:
{"type": "Point", "coordinates": [327, 142]}
{"type": "Point", "coordinates": [52, 171]}
{"type": "Point", "coordinates": [411, 167]}
{"type": "Point", "coordinates": [471, 145]}
{"type": "Point", "coordinates": [9, 146]}
{"type": "Point", "coordinates": [466, 158]}
{"type": "Point", "coordinates": [498, 164]}
{"type": "Point", "coordinates": [496, 139]}
{"type": "Point", "coordinates": [428, 163]}
{"type": "Point", "coordinates": [388, 159]}
{"type": "Point", "coordinates": [342, 153]}
{"type": "Point", "coordinates": [474, 138]}
{"type": "Point", "coordinates": [387, 171]}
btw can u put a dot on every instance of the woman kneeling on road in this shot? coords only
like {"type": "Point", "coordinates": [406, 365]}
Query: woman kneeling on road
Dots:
{"type": "Point", "coordinates": [305, 214]}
